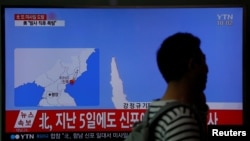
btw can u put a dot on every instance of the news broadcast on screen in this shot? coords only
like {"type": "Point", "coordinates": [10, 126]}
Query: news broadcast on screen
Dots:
{"type": "Point", "coordinates": [90, 73]}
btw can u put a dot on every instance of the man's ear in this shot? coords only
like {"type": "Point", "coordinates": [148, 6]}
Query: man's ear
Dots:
{"type": "Point", "coordinates": [191, 63]}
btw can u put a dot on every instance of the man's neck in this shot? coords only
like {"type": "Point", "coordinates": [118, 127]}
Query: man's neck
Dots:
{"type": "Point", "coordinates": [180, 91]}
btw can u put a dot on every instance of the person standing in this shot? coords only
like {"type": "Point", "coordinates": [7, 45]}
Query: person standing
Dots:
{"type": "Point", "coordinates": [182, 65]}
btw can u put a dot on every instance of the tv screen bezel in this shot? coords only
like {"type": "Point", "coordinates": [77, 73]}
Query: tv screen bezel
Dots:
{"type": "Point", "coordinates": [124, 4]}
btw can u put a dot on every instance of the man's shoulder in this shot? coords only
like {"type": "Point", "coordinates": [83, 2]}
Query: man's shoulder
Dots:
{"type": "Point", "coordinates": [170, 105]}
{"type": "Point", "coordinates": [180, 110]}
{"type": "Point", "coordinates": [172, 111]}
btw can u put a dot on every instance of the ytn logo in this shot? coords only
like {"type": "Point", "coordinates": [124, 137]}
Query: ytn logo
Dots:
{"type": "Point", "coordinates": [22, 136]}
{"type": "Point", "coordinates": [225, 19]}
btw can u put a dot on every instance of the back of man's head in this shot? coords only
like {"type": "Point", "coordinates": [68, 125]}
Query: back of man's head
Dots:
{"type": "Point", "coordinates": [174, 54]}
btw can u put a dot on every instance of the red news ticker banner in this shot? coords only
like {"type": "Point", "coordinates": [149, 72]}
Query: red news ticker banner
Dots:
{"type": "Point", "coordinates": [94, 120]}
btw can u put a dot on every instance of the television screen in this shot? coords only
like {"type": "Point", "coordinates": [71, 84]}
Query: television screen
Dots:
{"type": "Point", "coordinates": [90, 73]}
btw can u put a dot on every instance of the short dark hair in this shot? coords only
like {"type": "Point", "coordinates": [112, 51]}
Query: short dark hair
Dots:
{"type": "Point", "coordinates": [174, 54]}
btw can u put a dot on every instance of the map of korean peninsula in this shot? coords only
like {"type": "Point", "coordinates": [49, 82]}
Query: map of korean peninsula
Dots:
{"type": "Point", "coordinates": [56, 77]}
